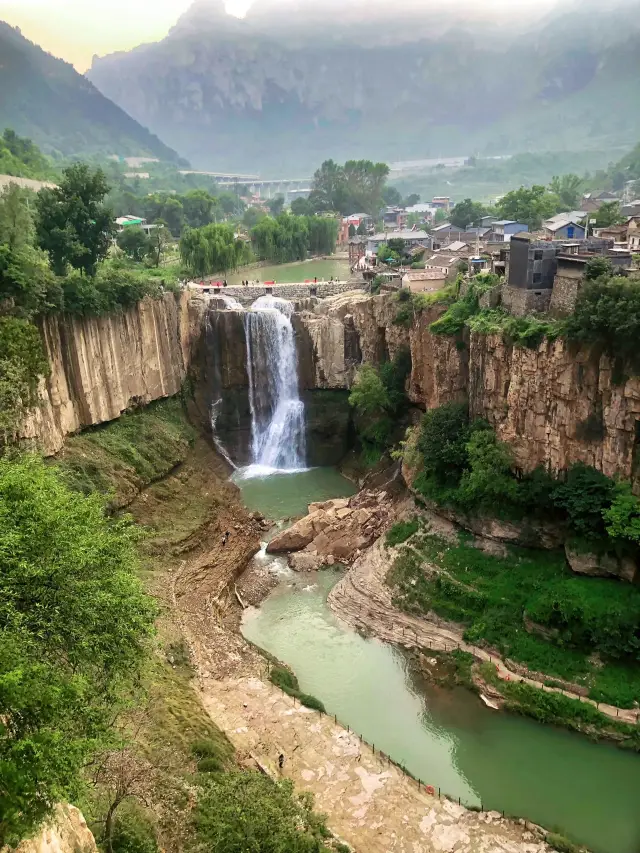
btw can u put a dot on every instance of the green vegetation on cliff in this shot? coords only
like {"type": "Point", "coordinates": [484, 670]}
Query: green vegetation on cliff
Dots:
{"type": "Point", "coordinates": [532, 609]}
{"type": "Point", "coordinates": [379, 399]}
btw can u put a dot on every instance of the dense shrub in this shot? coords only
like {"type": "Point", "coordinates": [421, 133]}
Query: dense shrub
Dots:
{"type": "Point", "coordinates": [283, 678]}
{"type": "Point", "coordinates": [245, 811]}
{"type": "Point", "coordinates": [584, 495]}
{"type": "Point", "coordinates": [607, 312]}
{"type": "Point", "coordinates": [402, 531]}
{"type": "Point", "coordinates": [22, 362]}
{"type": "Point", "coordinates": [133, 832]}
{"type": "Point", "coordinates": [379, 398]}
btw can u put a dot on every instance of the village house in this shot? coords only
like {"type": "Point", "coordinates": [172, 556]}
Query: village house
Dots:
{"type": "Point", "coordinates": [419, 281]}
{"type": "Point", "coordinates": [565, 229]}
{"type": "Point", "coordinates": [633, 234]}
{"type": "Point", "coordinates": [411, 240]}
{"type": "Point", "coordinates": [504, 229]}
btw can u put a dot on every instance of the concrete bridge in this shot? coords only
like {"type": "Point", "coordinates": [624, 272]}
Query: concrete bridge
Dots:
{"type": "Point", "coordinates": [263, 187]}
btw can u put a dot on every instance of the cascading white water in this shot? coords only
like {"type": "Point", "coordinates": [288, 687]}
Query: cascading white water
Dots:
{"type": "Point", "coordinates": [277, 412]}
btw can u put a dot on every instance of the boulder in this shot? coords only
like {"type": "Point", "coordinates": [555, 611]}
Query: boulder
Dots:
{"type": "Point", "coordinates": [601, 565]}
{"type": "Point", "coordinates": [306, 561]}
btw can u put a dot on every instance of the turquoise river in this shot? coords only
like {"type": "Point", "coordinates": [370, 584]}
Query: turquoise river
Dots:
{"type": "Point", "coordinates": [448, 738]}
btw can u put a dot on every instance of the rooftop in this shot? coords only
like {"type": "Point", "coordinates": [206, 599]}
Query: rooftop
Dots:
{"type": "Point", "coordinates": [425, 275]}
{"type": "Point", "coordinates": [562, 223]}
{"type": "Point", "coordinates": [407, 234]}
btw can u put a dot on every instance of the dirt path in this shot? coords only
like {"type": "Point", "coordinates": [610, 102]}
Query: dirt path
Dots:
{"type": "Point", "coordinates": [363, 600]}
{"type": "Point", "coordinates": [370, 803]}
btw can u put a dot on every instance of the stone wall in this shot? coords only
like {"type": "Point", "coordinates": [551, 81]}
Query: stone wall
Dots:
{"type": "Point", "coordinates": [520, 302]}
{"type": "Point", "coordinates": [565, 295]}
{"type": "Point", "coordinates": [101, 366]}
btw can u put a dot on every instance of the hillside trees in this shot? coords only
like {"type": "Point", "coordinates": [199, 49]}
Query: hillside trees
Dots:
{"type": "Point", "coordinates": [567, 188]}
{"type": "Point", "coordinates": [75, 631]}
{"type": "Point", "coordinates": [73, 224]}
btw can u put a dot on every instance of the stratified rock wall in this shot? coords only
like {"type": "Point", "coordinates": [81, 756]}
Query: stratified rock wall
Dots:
{"type": "Point", "coordinates": [555, 405]}
{"type": "Point", "coordinates": [100, 366]}
{"type": "Point", "coordinates": [65, 832]}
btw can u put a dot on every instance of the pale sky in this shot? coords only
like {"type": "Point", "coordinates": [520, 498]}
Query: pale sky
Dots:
{"type": "Point", "coordinates": [75, 30]}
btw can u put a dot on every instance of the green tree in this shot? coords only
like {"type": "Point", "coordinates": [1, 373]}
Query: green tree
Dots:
{"type": "Point", "coordinates": [252, 216]}
{"type": "Point", "coordinates": [528, 205]}
{"type": "Point", "coordinates": [440, 216]}
{"type": "Point", "coordinates": [74, 226]}
{"type": "Point", "coordinates": [391, 197]}
{"type": "Point", "coordinates": [467, 213]}
{"type": "Point", "coordinates": [198, 207]}
{"type": "Point", "coordinates": [302, 207]}
{"type": "Point", "coordinates": [352, 230]}
{"type": "Point", "coordinates": [276, 205]}
{"type": "Point", "coordinates": [488, 483]}
{"type": "Point", "coordinates": [133, 241]}
{"type": "Point", "coordinates": [75, 631]}
{"type": "Point", "coordinates": [609, 214]}
{"type": "Point", "coordinates": [597, 267]}
{"type": "Point", "coordinates": [362, 229]}
{"type": "Point", "coordinates": [355, 187]}
{"type": "Point", "coordinates": [622, 518]}
{"type": "Point", "coordinates": [444, 434]}
{"type": "Point", "coordinates": [568, 188]}
{"type": "Point", "coordinates": [412, 200]}
{"type": "Point", "coordinates": [27, 285]}
{"type": "Point", "coordinates": [22, 363]}
{"type": "Point", "coordinates": [246, 812]}
{"type": "Point", "coordinates": [214, 248]}
{"type": "Point", "coordinates": [16, 219]}
{"type": "Point", "coordinates": [368, 395]}
{"type": "Point", "coordinates": [158, 240]}
{"type": "Point", "coordinates": [585, 495]}
{"type": "Point", "coordinates": [607, 313]}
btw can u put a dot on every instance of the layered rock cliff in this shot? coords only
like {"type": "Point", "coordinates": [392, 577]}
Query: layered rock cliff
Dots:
{"type": "Point", "coordinates": [101, 366]}
{"type": "Point", "coordinates": [555, 405]}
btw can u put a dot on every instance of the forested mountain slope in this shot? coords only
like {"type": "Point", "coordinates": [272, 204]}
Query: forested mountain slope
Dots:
{"type": "Point", "coordinates": [45, 99]}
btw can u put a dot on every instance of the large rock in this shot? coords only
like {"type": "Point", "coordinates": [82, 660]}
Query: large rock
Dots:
{"type": "Point", "coordinates": [601, 565]}
{"type": "Point", "coordinates": [65, 832]}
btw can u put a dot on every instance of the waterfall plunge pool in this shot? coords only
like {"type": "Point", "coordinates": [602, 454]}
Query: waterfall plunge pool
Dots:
{"type": "Point", "coordinates": [448, 738]}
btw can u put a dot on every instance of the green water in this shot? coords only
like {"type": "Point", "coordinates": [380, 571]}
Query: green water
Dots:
{"type": "Point", "coordinates": [294, 273]}
{"type": "Point", "coordinates": [447, 738]}
{"type": "Point", "coordinates": [279, 496]}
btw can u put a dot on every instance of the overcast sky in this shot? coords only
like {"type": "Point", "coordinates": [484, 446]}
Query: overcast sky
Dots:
{"type": "Point", "coordinates": [76, 29]}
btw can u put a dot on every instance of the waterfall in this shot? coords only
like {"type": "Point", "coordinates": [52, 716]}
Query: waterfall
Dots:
{"type": "Point", "coordinates": [277, 412]}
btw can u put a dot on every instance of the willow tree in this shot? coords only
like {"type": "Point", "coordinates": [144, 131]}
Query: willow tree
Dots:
{"type": "Point", "coordinates": [214, 248]}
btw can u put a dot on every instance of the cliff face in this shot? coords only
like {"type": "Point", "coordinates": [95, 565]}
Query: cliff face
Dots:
{"type": "Point", "coordinates": [555, 405]}
{"type": "Point", "coordinates": [66, 832]}
{"type": "Point", "coordinates": [101, 366]}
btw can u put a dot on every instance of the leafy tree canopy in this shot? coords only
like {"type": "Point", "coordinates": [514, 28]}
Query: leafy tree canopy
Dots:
{"type": "Point", "coordinates": [75, 630]}
{"type": "Point", "coordinates": [214, 248]}
{"type": "Point", "coordinates": [134, 242]}
{"type": "Point", "coordinates": [246, 812]}
{"type": "Point", "coordinates": [529, 205]}
{"type": "Point", "coordinates": [73, 224]}
{"type": "Point", "coordinates": [467, 213]}
{"type": "Point", "coordinates": [356, 187]}
{"type": "Point", "coordinates": [609, 214]}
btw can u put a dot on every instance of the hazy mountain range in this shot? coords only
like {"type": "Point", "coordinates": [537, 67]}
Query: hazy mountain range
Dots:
{"type": "Point", "coordinates": [47, 100]}
{"type": "Point", "coordinates": [295, 83]}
